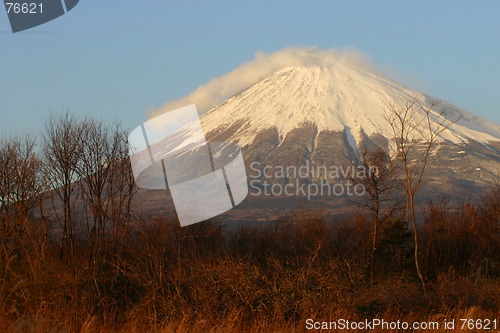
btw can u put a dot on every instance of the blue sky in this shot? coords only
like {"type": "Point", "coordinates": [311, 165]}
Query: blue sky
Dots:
{"type": "Point", "coordinates": [122, 59]}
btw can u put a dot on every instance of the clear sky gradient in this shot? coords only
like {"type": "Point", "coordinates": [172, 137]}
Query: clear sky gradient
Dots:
{"type": "Point", "coordinates": [121, 59]}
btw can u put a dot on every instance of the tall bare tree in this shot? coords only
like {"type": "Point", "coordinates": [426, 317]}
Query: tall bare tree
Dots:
{"type": "Point", "coordinates": [122, 188]}
{"type": "Point", "coordinates": [103, 182]}
{"type": "Point", "coordinates": [62, 151]}
{"type": "Point", "coordinates": [22, 233]}
{"type": "Point", "coordinates": [20, 183]}
{"type": "Point", "coordinates": [380, 184]}
{"type": "Point", "coordinates": [416, 127]}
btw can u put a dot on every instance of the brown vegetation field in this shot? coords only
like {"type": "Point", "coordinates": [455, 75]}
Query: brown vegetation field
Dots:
{"type": "Point", "coordinates": [76, 257]}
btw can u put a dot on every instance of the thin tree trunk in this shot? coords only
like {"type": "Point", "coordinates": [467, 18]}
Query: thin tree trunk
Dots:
{"type": "Point", "coordinates": [415, 239]}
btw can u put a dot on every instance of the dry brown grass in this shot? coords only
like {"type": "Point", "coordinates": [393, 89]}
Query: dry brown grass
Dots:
{"type": "Point", "coordinates": [204, 278]}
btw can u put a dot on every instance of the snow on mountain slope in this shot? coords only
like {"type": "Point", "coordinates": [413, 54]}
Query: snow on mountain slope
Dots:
{"type": "Point", "coordinates": [334, 97]}
{"type": "Point", "coordinates": [320, 112]}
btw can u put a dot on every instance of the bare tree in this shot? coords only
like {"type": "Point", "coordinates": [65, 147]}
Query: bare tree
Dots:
{"type": "Point", "coordinates": [104, 182]}
{"type": "Point", "coordinates": [21, 230]}
{"type": "Point", "coordinates": [415, 127]}
{"type": "Point", "coordinates": [94, 175]}
{"type": "Point", "coordinates": [20, 183]}
{"type": "Point", "coordinates": [122, 187]}
{"type": "Point", "coordinates": [62, 149]}
{"type": "Point", "coordinates": [380, 184]}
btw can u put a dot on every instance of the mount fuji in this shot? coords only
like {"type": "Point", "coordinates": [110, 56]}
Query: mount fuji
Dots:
{"type": "Point", "coordinates": [333, 98]}
{"type": "Point", "coordinates": [324, 113]}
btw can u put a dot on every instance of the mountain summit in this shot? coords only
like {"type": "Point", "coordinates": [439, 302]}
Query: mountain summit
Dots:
{"type": "Point", "coordinates": [324, 115]}
{"type": "Point", "coordinates": [338, 98]}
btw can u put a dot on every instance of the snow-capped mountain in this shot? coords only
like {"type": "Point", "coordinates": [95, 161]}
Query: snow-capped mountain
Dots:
{"type": "Point", "coordinates": [323, 115]}
{"type": "Point", "coordinates": [333, 98]}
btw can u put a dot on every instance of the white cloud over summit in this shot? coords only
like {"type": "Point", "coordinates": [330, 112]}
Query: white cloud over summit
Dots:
{"type": "Point", "coordinates": [218, 89]}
